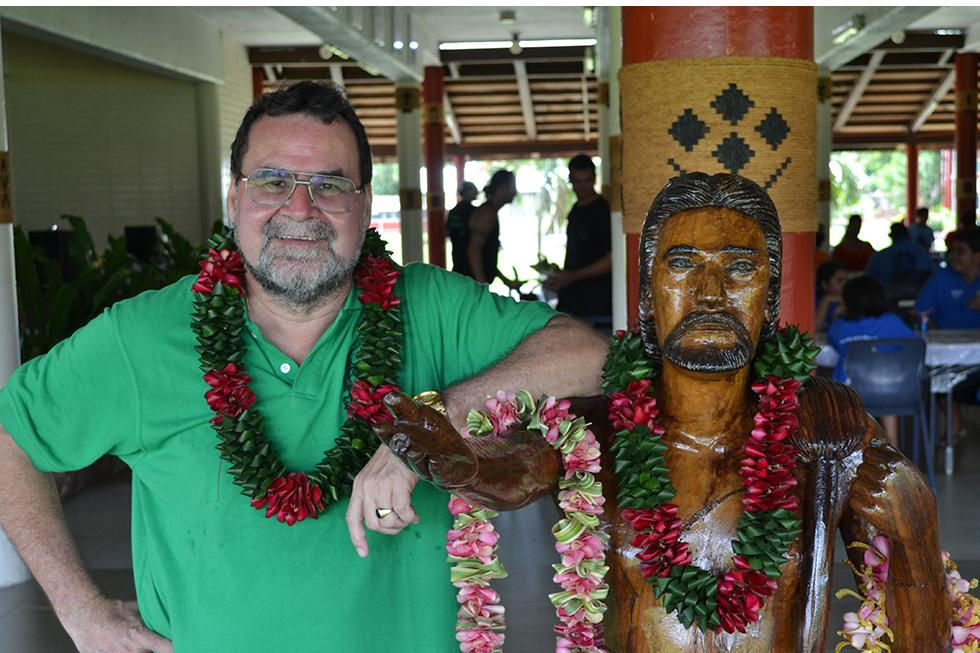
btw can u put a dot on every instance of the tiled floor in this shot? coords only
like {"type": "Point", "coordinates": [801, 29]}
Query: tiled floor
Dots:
{"type": "Point", "coordinates": [99, 518]}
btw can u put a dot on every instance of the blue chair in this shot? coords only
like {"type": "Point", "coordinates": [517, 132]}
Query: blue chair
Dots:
{"type": "Point", "coordinates": [888, 375]}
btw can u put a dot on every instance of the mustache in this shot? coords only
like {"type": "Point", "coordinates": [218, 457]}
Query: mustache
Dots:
{"type": "Point", "coordinates": [704, 318]}
{"type": "Point", "coordinates": [286, 228]}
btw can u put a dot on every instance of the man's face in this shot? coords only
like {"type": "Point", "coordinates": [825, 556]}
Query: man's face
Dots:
{"type": "Point", "coordinates": [509, 192]}
{"type": "Point", "coordinates": [710, 279]}
{"type": "Point", "coordinates": [296, 251]}
{"type": "Point", "coordinates": [469, 194]}
{"type": "Point", "coordinates": [962, 259]}
{"type": "Point", "coordinates": [583, 183]}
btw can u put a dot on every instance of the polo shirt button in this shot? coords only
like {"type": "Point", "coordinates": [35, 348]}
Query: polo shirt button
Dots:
{"type": "Point", "coordinates": [285, 367]}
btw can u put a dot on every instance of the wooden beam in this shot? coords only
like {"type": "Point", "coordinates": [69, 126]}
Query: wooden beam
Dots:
{"type": "Point", "coordinates": [858, 90]}
{"type": "Point", "coordinates": [451, 121]}
{"type": "Point", "coordinates": [337, 73]}
{"type": "Point", "coordinates": [930, 106]}
{"type": "Point", "coordinates": [527, 104]}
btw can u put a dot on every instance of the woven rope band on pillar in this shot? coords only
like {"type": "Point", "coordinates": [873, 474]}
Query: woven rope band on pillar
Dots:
{"type": "Point", "coordinates": [752, 116]}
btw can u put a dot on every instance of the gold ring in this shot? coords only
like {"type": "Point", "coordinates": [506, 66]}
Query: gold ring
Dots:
{"type": "Point", "coordinates": [432, 399]}
{"type": "Point", "coordinates": [383, 512]}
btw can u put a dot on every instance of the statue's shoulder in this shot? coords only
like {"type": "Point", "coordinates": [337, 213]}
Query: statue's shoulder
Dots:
{"type": "Point", "coordinates": [832, 419]}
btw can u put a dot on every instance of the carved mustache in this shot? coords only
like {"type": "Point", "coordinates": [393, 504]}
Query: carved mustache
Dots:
{"type": "Point", "coordinates": [698, 319]}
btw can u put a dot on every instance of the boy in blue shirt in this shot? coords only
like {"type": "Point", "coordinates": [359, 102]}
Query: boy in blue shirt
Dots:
{"type": "Point", "coordinates": [951, 296]}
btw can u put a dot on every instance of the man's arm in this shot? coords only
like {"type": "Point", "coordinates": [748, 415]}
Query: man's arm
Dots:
{"type": "Point", "coordinates": [32, 517]}
{"type": "Point", "coordinates": [563, 359]}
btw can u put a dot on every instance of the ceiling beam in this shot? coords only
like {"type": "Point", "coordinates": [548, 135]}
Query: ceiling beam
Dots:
{"type": "Point", "coordinates": [874, 33]}
{"type": "Point", "coordinates": [527, 104]}
{"type": "Point", "coordinates": [451, 121]}
{"type": "Point", "coordinates": [930, 106]}
{"type": "Point", "coordinates": [333, 28]}
{"type": "Point", "coordinates": [858, 90]}
{"type": "Point", "coordinates": [585, 103]}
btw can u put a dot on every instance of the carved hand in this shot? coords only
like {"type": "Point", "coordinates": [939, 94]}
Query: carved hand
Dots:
{"type": "Point", "coordinates": [426, 441]}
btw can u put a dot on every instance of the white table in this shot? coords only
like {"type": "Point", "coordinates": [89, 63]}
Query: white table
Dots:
{"type": "Point", "coordinates": [951, 355]}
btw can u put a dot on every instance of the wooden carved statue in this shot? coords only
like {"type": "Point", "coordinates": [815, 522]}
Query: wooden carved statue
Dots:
{"type": "Point", "coordinates": [709, 297]}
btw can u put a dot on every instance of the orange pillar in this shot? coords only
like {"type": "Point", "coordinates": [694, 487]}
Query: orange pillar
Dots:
{"type": "Point", "coordinates": [966, 140]}
{"type": "Point", "coordinates": [911, 181]}
{"type": "Point", "coordinates": [433, 125]}
{"type": "Point", "coordinates": [657, 34]}
{"type": "Point", "coordinates": [460, 161]}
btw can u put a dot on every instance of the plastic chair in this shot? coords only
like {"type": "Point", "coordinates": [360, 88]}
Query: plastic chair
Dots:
{"type": "Point", "coordinates": [888, 375]}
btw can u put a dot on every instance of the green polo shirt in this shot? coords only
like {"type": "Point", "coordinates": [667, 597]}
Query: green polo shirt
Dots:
{"type": "Point", "coordinates": [212, 573]}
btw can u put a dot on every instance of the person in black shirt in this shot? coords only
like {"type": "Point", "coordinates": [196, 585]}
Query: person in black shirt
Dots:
{"type": "Point", "coordinates": [584, 286]}
{"type": "Point", "coordinates": [484, 230]}
{"type": "Point", "coordinates": [458, 226]}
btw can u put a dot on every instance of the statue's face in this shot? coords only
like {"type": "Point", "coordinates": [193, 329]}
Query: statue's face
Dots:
{"type": "Point", "coordinates": [710, 280]}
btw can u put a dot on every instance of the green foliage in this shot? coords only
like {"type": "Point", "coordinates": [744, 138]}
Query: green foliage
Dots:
{"type": "Point", "coordinates": [51, 308]}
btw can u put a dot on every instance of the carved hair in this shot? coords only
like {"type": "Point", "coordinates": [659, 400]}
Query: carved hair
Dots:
{"type": "Point", "coordinates": [698, 190]}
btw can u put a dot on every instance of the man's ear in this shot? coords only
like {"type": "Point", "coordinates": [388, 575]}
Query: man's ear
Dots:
{"type": "Point", "coordinates": [231, 202]}
{"type": "Point", "coordinates": [368, 198]}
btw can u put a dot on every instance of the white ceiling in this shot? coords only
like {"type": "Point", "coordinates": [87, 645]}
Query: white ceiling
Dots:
{"type": "Point", "coordinates": [263, 26]}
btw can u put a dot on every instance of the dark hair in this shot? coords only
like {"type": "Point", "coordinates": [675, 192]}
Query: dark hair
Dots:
{"type": "Point", "coordinates": [698, 190]}
{"type": "Point", "coordinates": [581, 162]}
{"type": "Point", "coordinates": [898, 231]}
{"type": "Point", "coordinates": [323, 100]}
{"type": "Point", "coordinates": [467, 185]}
{"type": "Point", "coordinates": [863, 297]}
{"type": "Point", "coordinates": [826, 272]}
{"type": "Point", "coordinates": [498, 179]}
{"type": "Point", "coordinates": [922, 212]}
{"type": "Point", "coordinates": [854, 216]}
{"type": "Point", "coordinates": [969, 238]}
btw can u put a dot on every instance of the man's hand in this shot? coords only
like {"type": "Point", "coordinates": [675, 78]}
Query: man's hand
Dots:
{"type": "Point", "coordinates": [103, 625]}
{"type": "Point", "coordinates": [383, 483]}
{"type": "Point", "coordinates": [558, 280]}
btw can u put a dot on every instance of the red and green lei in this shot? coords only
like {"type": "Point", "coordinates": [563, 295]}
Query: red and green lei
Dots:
{"type": "Point", "coordinates": [218, 321]}
{"type": "Point", "coordinates": [768, 526]}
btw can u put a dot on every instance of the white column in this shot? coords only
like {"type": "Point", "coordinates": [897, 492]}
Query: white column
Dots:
{"type": "Point", "coordinates": [824, 146]}
{"type": "Point", "coordinates": [615, 36]}
{"type": "Point", "coordinates": [12, 569]}
{"type": "Point", "coordinates": [407, 108]}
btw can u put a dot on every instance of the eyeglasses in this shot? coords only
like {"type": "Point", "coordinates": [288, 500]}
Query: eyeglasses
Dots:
{"type": "Point", "coordinates": [273, 187]}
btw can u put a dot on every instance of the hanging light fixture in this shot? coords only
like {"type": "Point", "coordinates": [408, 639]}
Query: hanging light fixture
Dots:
{"type": "Point", "coordinates": [515, 44]}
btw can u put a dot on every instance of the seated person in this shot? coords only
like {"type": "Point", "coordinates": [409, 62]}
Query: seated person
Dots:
{"type": "Point", "coordinates": [831, 278]}
{"type": "Point", "coordinates": [866, 317]}
{"type": "Point", "coordinates": [903, 266]}
{"type": "Point", "coordinates": [852, 252]}
{"type": "Point", "coordinates": [710, 267]}
{"type": "Point", "coordinates": [951, 296]}
{"type": "Point", "coordinates": [920, 231]}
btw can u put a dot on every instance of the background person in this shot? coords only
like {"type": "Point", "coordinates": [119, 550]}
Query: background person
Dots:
{"type": "Point", "coordinates": [852, 252]}
{"type": "Point", "coordinates": [484, 236]}
{"type": "Point", "coordinates": [584, 284]}
{"type": "Point", "coordinates": [831, 278]}
{"type": "Point", "coordinates": [458, 226]}
{"type": "Point", "coordinates": [951, 296]}
{"type": "Point", "coordinates": [866, 317]}
{"type": "Point", "coordinates": [920, 231]}
{"type": "Point", "coordinates": [903, 266]}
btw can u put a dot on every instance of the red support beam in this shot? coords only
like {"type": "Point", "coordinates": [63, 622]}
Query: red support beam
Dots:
{"type": "Point", "coordinates": [662, 33]}
{"type": "Point", "coordinates": [258, 83]}
{"type": "Point", "coordinates": [966, 140]}
{"type": "Point", "coordinates": [911, 182]}
{"type": "Point", "coordinates": [434, 128]}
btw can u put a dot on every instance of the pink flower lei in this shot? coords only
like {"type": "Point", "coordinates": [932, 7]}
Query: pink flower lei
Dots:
{"type": "Point", "coordinates": [472, 542]}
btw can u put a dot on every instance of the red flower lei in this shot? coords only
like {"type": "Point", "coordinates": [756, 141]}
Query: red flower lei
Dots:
{"type": "Point", "coordinates": [767, 528]}
{"type": "Point", "coordinates": [218, 321]}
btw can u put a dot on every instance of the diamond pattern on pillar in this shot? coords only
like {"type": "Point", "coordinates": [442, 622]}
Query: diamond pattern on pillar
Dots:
{"type": "Point", "coordinates": [688, 129]}
{"type": "Point", "coordinates": [773, 128]}
{"type": "Point", "coordinates": [732, 104]}
{"type": "Point", "coordinates": [733, 153]}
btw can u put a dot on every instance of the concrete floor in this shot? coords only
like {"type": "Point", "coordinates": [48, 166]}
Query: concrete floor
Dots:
{"type": "Point", "coordinates": [99, 518]}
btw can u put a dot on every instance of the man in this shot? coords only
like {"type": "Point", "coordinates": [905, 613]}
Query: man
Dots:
{"type": "Point", "coordinates": [903, 265]}
{"type": "Point", "coordinates": [458, 226]}
{"type": "Point", "coordinates": [584, 285]}
{"type": "Point", "coordinates": [852, 252]}
{"type": "Point", "coordinates": [920, 231]}
{"type": "Point", "coordinates": [951, 296]}
{"type": "Point", "coordinates": [213, 574]}
{"type": "Point", "coordinates": [484, 236]}
{"type": "Point", "coordinates": [709, 296]}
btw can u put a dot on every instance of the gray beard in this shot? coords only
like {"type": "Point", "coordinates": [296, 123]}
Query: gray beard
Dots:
{"type": "Point", "coordinates": [709, 359]}
{"type": "Point", "coordinates": [300, 280]}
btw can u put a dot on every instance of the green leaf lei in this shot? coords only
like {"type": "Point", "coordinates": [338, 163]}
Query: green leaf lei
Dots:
{"type": "Point", "coordinates": [218, 321]}
{"type": "Point", "coordinates": [765, 531]}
